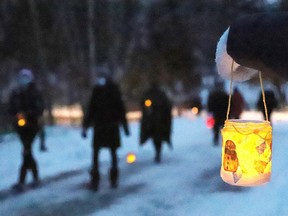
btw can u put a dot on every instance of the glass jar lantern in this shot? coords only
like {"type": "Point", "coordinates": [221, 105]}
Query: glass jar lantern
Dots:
{"type": "Point", "coordinates": [246, 152]}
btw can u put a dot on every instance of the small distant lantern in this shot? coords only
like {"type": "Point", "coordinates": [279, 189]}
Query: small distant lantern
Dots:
{"type": "Point", "coordinates": [246, 152]}
{"type": "Point", "coordinates": [195, 110]}
{"type": "Point", "coordinates": [21, 120]}
{"type": "Point", "coordinates": [131, 158]}
{"type": "Point", "coordinates": [148, 103]}
{"type": "Point", "coordinates": [210, 122]}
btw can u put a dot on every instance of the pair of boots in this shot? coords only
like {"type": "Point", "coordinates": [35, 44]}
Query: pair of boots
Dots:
{"type": "Point", "coordinates": [29, 163]}
{"type": "Point", "coordinates": [113, 177]}
{"type": "Point", "coordinates": [21, 183]}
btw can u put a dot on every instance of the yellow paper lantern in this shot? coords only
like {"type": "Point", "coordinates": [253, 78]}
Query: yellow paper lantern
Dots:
{"type": "Point", "coordinates": [246, 152]}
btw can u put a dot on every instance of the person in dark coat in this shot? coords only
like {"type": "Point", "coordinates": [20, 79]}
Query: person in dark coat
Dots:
{"type": "Point", "coordinates": [237, 104]}
{"type": "Point", "coordinates": [217, 105]}
{"type": "Point", "coordinates": [105, 113]}
{"type": "Point", "coordinates": [271, 103]}
{"type": "Point", "coordinates": [26, 107]}
{"type": "Point", "coordinates": [156, 119]}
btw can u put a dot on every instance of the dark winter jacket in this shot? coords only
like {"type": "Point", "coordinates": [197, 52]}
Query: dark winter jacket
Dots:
{"type": "Point", "coordinates": [271, 102]}
{"type": "Point", "coordinates": [237, 104]}
{"type": "Point", "coordinates": [217, 105]}
{"type": "Point", "coordinates": [26, 102]}
{"type": "Point", "coordinates": [156, 116]}
{"type": "Point", "coordinates": [259, 41]}
{"type": "Point", "coordinates": [106, 112]}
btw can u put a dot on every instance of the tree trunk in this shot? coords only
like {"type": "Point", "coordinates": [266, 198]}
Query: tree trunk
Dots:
{"type": "Point", "coordinates": [91, 41]}
{"type": "Point", "coordinates": [41, 56]}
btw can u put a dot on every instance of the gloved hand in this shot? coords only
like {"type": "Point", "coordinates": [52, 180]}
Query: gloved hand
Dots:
{"type": "Point", "coordinates": [84, 133]}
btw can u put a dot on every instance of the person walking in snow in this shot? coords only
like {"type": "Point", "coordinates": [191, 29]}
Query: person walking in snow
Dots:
{"type": "Point", "coordinates": [156, 119]}
{"type": "Point", "coordinates": [237, 104]}
{"type": "Point", "coordinates": [105, 113]}
{"type": "Point", "coordinates": [217, 105]}
{"type": "Point", "coordinates": [26, 107]}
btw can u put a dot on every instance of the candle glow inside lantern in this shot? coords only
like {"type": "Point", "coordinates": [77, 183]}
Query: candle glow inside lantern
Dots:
{"type": "Point", "coordinates": [246, 152]}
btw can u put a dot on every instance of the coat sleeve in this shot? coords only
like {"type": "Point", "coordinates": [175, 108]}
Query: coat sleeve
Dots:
{"type": "Point", "coordinates": [121, 109]}
{"type": "Point", "coordinates": [144, 123]}
{"type": "Point", "coordinates": [210, 104]}
{"type": "Point", "coordinates": [168, 119]}
{"type": "Point", "coordinates": [259, 41]}
{"type": "Point", "coordinates": [39, 104]}
{"type": "Point", "coordinates": [88, 111]}
{"type": "Point", "coordinates": [12, 104]}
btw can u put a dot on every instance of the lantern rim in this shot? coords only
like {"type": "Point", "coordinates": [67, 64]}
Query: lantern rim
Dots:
{"type": "Point", "coordinates": [245, 126]}
{"type": "Point", "coordinates": [247, 121]}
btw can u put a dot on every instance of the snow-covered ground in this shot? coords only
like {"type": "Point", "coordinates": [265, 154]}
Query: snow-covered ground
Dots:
{"type": "Point", "coordinates": [187, 182]}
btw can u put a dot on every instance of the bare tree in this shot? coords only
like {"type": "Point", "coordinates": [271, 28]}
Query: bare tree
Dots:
{"type": "Point", "coordinates": [41, 56]}
{"type": "Point", "coordinates": [91, 40]}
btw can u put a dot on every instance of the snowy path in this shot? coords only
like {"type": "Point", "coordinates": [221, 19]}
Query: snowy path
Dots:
{"type": "Point", "coordinates": [186, 183]}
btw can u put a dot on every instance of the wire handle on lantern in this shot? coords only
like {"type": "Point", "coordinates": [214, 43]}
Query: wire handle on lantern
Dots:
{"type": "Point", "coordinates": [263, 96]}
{"type": "Point", "coordinates": [230, 91]}
{"type": "Point", "coordinates": [231, 88]}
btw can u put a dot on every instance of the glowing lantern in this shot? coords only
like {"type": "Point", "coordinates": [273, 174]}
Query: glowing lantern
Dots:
{"type": "Point", "coordinates": [148, 103]}
{"type": "Point", "coordinates": [130, 158]}
{"type": "Point", "coordinates": [21, 120]}
{"type": "Point", "coordinates": [210, 122]}
{"type": "Point", "coordinates": [246, 152]}
{"type": "Point", "coordinates": [195, 110]}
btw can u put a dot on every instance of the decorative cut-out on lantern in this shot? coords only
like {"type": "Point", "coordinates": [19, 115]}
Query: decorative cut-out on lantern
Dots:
{"type": "Point", "coordinates": [246, 152]}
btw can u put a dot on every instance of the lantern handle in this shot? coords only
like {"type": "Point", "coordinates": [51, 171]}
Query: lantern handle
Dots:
{"type": "Point", "coordinates": [231, 89]}
{"type": "Point", "coordinates": [263, 96]}
{"type": "Point", "coordinates": [230, 93]}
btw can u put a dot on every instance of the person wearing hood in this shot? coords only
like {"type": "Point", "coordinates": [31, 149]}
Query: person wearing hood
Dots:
{"type": "Point", "coordinates": [26, 107]}
{"type": "Point", "coordinates": [105, 113]}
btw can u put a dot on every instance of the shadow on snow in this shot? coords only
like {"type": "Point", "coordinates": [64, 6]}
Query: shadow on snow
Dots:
{"type": "Point", "coordinates": [211, 182]}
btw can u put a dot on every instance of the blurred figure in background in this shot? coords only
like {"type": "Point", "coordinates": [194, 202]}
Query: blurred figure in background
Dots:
{"type": "Point", "coordinates": [42, 136]}
{"type": "Point", "coordinates": [237, 104]}
{"type": "Point", "coordinates": [271, 103]}
{"type": "Point", "coordinates": [26, 107]}
{"type": "Point", "coordinates": [156, 119]}
{"type": "Point", "coordinates": [105, 113]}
{"type": "Point", "coordinates": [217, 106]}
{"type": "Point", "coordinates": [42, 133]}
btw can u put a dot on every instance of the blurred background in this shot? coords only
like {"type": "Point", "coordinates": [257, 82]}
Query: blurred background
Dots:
{"type": "Point", "coordinates": [66, 42]}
